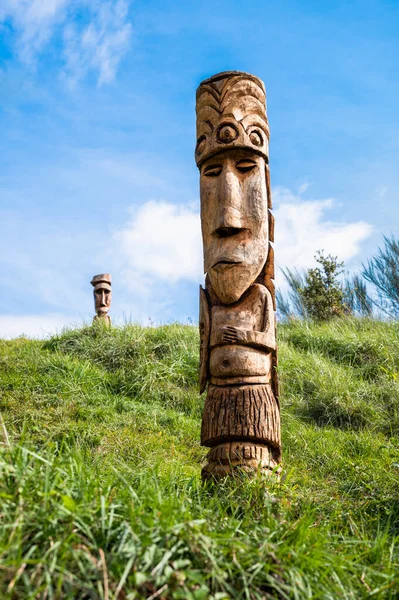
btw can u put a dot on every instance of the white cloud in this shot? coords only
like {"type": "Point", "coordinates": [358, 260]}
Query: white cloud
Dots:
{"type": "Point", "coordinates": [95, 43]}
{"type": "Point", "coordinates": [156, 251]}
{"type": "Point", "coordinates": [162, 241]}
{"type": "Point", "coordinates": [33, 326]}
{"type": "Point", "coordinates": [100, 45]}
{"type": "Point", "coordinates": [382, 191]}
{"type": "Point", "coordinates": [34, 20]}
{"type": "Point", "coordinates": [303, 187]}
{"type": "Point", "coordinates": [301, 229]}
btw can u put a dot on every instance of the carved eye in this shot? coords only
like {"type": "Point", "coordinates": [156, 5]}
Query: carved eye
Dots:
{"type": "Point", "coordinates": [200, 145]}
{"type": "Point", "coordinates": [245, 165]}
{"type": "Point", "coordinates": [212, 170]}
{"type": "Point", "coordinates": [256, 138]}
{"type": "Point", "coordinates": [227, 134]}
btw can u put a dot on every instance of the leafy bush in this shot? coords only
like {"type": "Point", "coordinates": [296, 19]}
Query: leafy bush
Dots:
{"type": "Point", "coordinates": [320, 295]}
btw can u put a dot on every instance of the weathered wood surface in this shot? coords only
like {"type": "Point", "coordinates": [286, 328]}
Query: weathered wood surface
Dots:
{"type": "Point", "coordinates": [226, 457]}
{"type": "Point", "coordinates": [246, 412]}
{"type": "Point", "coordinates": [238, 354]}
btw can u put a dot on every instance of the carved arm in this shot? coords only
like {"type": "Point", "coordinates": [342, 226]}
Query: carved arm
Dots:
{"type": "Point", "coordinates": [246, 337]}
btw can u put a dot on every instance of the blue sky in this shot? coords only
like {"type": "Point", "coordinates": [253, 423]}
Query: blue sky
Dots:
{"type": "Point", "coordinates": [97, 138]}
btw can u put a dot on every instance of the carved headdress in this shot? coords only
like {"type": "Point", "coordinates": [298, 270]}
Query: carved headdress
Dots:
{"type": "Point", "coordinates": [102, 281]}
{"type": "Point", "coordinates": [231, 113]}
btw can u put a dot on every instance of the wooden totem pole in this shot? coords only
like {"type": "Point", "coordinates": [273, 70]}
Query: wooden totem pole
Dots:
{"type": "Point", "coordinates": [102, 298]}
{"type": "Point", "coordinates": [241, 418]}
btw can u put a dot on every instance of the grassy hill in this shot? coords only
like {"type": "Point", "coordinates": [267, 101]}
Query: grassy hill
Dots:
{"type": "Point", "coordinates": [100, 492]}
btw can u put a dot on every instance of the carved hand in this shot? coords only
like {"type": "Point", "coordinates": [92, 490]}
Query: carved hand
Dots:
{"type": "Point", "coordinates": [232, 335]}
{"type": "Point", "coordinates": [257, 339]}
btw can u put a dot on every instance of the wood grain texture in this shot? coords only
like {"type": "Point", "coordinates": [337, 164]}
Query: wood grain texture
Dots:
{"type": "Point", "coordinates": [238, 352]}
{"type": "Point", "coordinates": [247, 412]}
{"type": "Point", "coordinates": [227, 457]}
{"type": "Point", "coordinates": [204, 331]}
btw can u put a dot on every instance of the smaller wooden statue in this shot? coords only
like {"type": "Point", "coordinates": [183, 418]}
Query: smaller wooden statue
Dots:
{"type": "Point", "coordinates": [102, 297]}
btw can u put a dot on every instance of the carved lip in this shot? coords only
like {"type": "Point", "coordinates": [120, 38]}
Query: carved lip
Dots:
{"type": "Point", "coordinates": [225, 264]}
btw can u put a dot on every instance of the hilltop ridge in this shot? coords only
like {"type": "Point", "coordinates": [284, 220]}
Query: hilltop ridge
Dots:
{"type": "Point", "coordinates": [100, 489]}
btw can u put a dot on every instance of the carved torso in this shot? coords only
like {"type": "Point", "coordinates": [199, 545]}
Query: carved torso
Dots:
{"type": "Point", "coordinates": [240, 338]}
{"type": "Point", "coordinates": [247, 359]}
{"type": "Point", "coordinates": [248, 314]}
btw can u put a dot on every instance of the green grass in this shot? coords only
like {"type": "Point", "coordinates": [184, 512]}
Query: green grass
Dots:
{"type": "Point", "coordinates": [100, 491]}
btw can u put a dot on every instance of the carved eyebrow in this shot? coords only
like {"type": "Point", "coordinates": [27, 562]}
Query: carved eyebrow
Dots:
{"type": "Point", "coordinates": [212, 170]}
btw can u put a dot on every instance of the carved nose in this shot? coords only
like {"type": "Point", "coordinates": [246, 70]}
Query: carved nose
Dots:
{"type": "Point", "coordinates": [226, 231]}
{"type": "Point", "coordinates": [229, 219]}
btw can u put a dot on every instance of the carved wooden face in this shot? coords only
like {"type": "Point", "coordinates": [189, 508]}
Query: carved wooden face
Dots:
{"type": "Point", "coordinates": [102, 300]}
{"type": "Point", "coordinates": [234, 221]}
